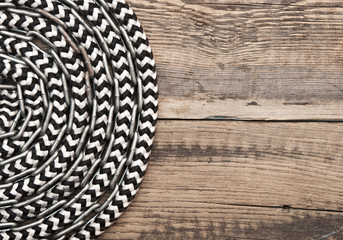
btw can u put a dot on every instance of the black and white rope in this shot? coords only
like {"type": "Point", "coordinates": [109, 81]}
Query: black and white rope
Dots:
{"type": "Point", "coordinates": [77, 117]}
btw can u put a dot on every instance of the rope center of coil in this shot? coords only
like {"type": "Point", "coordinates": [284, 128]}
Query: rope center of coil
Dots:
{"type": "Point", "coordinates": [78, 110]}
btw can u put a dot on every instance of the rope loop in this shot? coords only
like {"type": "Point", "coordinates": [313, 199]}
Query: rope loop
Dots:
{"type": "Point", "coordinates": [78, 110]}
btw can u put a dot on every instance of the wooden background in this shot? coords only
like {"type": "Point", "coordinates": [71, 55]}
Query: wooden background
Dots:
{"type": "Point", "coordinates": [249, 141]}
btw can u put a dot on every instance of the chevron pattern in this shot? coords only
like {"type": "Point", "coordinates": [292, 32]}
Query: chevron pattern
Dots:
{"type": "Point", "coordinates": [77, 121]}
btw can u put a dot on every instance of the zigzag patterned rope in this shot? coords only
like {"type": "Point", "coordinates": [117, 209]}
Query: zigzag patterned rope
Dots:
{"type": "Point", "coordinates": [77, 118]}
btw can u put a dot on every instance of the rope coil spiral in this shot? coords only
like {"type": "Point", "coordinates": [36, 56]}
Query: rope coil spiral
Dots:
{"type": "Point", "coordinates": [77, 117]}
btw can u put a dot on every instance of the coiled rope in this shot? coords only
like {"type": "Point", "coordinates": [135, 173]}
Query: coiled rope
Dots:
{"type": "Point", "coordinates": [77, 117]}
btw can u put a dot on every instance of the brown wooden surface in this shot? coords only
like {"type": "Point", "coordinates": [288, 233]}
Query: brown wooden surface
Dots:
{"type": "Point", "coordinates": [214, 175]}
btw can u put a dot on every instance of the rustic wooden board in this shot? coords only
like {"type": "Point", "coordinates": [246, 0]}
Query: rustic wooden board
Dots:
{"type": "Point", "coordinates": [321, 3]}
{"type": "Point", "coordinates": [248, 163]}
{"type": "Point", "coordinates": [155, 220]}
{"type": "Point", "coordinates": [248, 180]}
{"type": "Point", "coordinates": [247, 59]}
{"type": "Point", "coordinates": [176, 108]}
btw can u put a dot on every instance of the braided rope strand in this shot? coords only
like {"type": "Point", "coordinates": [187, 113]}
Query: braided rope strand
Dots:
{"type": "Point", "coordinates": [77, 116]}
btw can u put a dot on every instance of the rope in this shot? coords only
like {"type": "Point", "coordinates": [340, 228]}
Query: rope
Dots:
{"type": "Point", "coordinates": [77, 116]}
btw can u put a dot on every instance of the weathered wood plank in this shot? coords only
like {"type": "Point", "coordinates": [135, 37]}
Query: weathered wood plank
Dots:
{"type": "Point", "coordinates": [249, 163]}
{"type": "Point", "coordinates": [333, 3]}
{"type": "Point", "coordinates": [205, 176]}
{"type": "Point", "coordinates": [286, 57]}
{"type": "Point", "coordinates": [259, 109]}
{"type": "Point", "coordinates": [170, 220]}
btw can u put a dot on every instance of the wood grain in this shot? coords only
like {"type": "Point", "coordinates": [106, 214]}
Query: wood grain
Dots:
{"type": "Point", "coordinates": [239, 180]}
{"type": "Point", "coordinates": [225, 56]}
{"type": "Point", "coordinates": [321, 3]}
{"type": "Point", "coordinates": [253, 163]}
{"type": "Point", "coordinates": [155, 220]}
